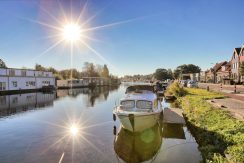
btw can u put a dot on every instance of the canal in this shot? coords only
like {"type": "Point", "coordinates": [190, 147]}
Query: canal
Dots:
{"type": "Point", "coordinates": [77, 126]}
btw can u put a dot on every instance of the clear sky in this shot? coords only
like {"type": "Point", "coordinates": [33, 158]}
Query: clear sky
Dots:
{"type": "Point", "coordinates": [159, 33]}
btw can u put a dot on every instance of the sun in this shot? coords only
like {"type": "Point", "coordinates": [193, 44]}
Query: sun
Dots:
{"type": "Point", "coordinates": [72, 32]}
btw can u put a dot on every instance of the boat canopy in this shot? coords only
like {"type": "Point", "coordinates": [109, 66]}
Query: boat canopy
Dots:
{"type": "Point", "coordinates": [139, 88]}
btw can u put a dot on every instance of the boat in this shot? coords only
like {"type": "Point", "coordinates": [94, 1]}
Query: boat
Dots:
{"type": "Point", "coordinates": [139, 109]}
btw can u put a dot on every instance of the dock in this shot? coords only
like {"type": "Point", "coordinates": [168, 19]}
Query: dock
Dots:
{"type": "Point", "coordinates": [173, 115]}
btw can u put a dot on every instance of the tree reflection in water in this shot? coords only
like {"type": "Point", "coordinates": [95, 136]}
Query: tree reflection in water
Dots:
{"type": "Point", "coordinates": [93, 94]}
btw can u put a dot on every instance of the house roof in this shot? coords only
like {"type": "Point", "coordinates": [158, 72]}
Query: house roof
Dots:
{"type": "Point", "coordinates": [217, 66]}
{"type": "Point", "coordinates": [238, 50]}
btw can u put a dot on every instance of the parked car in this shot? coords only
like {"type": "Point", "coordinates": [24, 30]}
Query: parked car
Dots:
{"type": "Point", "coordinates": [183, 83]}
{"type": "Point", "coordinates": [192, 84]}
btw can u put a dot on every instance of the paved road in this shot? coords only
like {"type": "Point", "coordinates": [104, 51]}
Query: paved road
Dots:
{"type": "Point", "coordinates": [235, 102]}
{"type": "Point", "coordinates": [235, 107]}
{"type": "Point", "coordinates": [228, 90]}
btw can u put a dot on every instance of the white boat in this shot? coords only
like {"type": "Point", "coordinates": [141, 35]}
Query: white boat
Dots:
{"type": "Point", "coordinates": [139, 109]}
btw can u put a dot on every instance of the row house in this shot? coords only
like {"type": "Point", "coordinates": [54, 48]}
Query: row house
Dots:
{"type": "Point", "coordinates": [226, 71]}
{"type": "Point", "coordinates": [218, 73]}
{"type": "Point", "coordinates": [235, 62]}
{"type": "Point", "coordinates": [12, 79]}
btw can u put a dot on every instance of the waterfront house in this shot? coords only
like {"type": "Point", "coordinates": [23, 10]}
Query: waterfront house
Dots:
{"type": "Point", "coordinates": [235, 65]}
{"type": "Point", "coordinates": [12, 79]}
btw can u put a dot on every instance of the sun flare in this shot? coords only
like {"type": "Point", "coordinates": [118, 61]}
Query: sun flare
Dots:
{"type": "Point", "coordinates": [72, 32]}
{"type": "Point", "coordinates": [74, 130]}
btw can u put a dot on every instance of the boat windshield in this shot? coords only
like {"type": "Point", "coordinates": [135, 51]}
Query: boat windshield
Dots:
{"type": "Point", "coordinates": [128, 104]}
{"type": "Point", "coordinates": [142, 104]}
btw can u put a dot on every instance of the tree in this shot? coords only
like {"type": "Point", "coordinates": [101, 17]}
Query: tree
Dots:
{"type": "Point", "coordinates": [2, 64]}
{"type": "Point", "coordinates": [185, 69]}
{"type": "Point", "coordinates": [105, 71]}
{"type": "Point", "coordinates": [161, 74]}
{"type": "Point", "coordinates": [89, 70]}
{"type": "Point", "coordinates": [39, 67]}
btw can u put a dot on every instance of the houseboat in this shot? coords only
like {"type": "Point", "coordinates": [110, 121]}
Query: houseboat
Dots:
{"type": "Point", "coordinates": [83, 82]}
{"type": "Point", "coordinates": [139, 109]}
{"type": "Point", "coordinates": [21, 80]}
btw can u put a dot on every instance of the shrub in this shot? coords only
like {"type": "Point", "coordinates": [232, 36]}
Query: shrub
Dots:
{"type": "Point", "coordinates": [175, 90]}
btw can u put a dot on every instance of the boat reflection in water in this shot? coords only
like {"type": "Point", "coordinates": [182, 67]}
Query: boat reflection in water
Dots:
{"type": "Point", "coordinates": [138, 146]}
{"type": "Point", "coordinates": [18, 103]}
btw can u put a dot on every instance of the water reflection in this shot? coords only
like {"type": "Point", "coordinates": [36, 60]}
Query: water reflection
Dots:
{"type": "Point", "coordinates": [173, 131]}
{"type": "Point", "coordinates": [138, 147]}
{"type": "Point", "coordinates": [13, 104]}
{"type": "Point", "coordinates": [95, 94]}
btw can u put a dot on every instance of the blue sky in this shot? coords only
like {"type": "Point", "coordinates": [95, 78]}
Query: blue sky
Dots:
{"type": "Point", "coordinates": [162, 34]}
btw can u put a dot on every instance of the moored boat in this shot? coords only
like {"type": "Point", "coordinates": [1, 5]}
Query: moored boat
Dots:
{"type": "Point", "coordinates": [139, 109]}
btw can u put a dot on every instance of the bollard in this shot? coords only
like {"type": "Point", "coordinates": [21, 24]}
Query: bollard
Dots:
{"type": "Point", "coordinates": [221, 87]}
{"type": "Point", "coordinates": [235, 88]}
{"type": "Point", "coordinates": [207, 88]}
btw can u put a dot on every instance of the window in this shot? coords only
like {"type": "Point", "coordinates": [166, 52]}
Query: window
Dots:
{"type": "Point", "coordinates": [14, 83]}
{"type": "Point", "coordinates": [2, 86]}
{"type": "Point", "coordinates": [23, 73]}
{"type": "Point", "coordinates": [141, 104]}
{"type": "Point", "coordinates": [128, 104]}
{"type": "Point", "coordinates": [48, 82]}
{"type": "Point", "coordinates": [30, 83]}
{"type": "Point", "coordinates": [11, 72]}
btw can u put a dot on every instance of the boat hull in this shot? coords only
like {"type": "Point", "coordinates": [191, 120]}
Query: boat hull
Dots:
{"type": "Point", "coordinates": [138, 123]}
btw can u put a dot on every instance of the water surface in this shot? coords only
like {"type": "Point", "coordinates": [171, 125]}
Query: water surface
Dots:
{"type": "Point", "coordinates": [77, 126]}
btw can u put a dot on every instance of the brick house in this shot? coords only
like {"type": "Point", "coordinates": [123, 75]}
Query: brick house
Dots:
{"type": "Point", "coordinates": [235, 65]}
{"type": "Point", "coordinates": [223, 72]}
{"type": "Point", "coordinates": [242, 59]}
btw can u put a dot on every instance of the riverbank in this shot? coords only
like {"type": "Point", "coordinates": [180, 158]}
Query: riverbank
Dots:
{"type": "Point", "coordinates": [219, 135]}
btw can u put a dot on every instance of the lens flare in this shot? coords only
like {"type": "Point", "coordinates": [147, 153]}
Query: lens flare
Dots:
{"type": "Point", "coordinates": [72, 32]}
{"type": "Point", "coordinates": [74, 130]}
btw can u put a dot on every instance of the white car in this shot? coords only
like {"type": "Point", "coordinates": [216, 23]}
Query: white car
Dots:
{"type": "Point", "coordinates": [192, 84]}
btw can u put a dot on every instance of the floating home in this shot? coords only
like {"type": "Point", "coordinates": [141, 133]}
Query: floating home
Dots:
{"type": "Point", "coordinates": [84, 82]}
{"type": "Point", "coordinates": [17, 80]}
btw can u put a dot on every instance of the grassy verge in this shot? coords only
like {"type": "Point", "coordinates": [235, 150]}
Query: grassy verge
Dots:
{"type": "Point", "coordinates": [220, 137]}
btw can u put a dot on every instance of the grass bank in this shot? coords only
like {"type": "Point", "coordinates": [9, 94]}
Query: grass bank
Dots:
{"type": "Point", "coordinates": [220, 136]}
